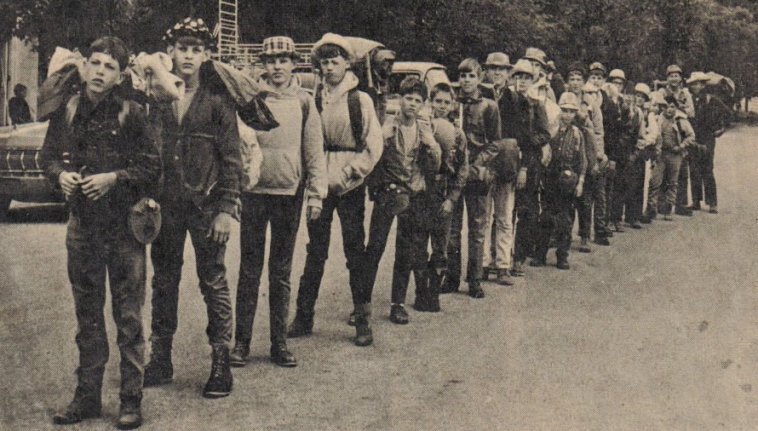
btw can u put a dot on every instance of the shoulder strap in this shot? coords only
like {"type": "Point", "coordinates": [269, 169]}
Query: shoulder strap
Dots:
{"type": "Point", "coordinates": [71, 106]}
{"type": "Point", "coordinates": [319, 98]}
{"type": "Point", "coordinates": [356, 118]}
{"type": "Point", "coordinates": [305, 107]}
{"type": "Point", "coordinates": [123, 113]}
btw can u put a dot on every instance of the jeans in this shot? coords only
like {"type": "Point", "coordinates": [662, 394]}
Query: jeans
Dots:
{"type": "Point", "coordinates": [592, 206]}
{"type": "Point", "coordinates": [683, 182]}
{"type": "Point", "coordinates": [670, 181]}
{"type": "Point", "coordinates": [350, 208]}
{"type": "Point", "coordinates": [92, 252]}
{"type": "Point", "coordinates": [476, 207]}
{"type": "Point", "coordinates": [528, 212]}
{"type": "Point", "coordinates": [167, 255]}
{"type": "Point", "coordinates": [498, 237]}
{"type": "Point", "coordinates": [410, 246]}
{"type": "Point", "coordinates": [556, 220]}
{"type": "Point", "coordinates": [634, 180]}
{"type": "Point", "coordinates": [283, 213]}
{"type": "Point", "coordinates": [701, 173]}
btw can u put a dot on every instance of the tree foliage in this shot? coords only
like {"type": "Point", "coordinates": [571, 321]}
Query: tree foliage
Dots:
{"type": "Point", "coordinates": [641, 36]}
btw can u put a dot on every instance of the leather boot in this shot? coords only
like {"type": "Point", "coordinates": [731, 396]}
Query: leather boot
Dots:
{"type": "Point", "coordinates": [220, 381]}
{"type": "Point", "coordinates": [238, 357]}
{"type": "Point", "coordinates": [85, 405]}
{"type": "Point", "coordinates": [129, 414]}
{"type": "Point", "coordinates": [422, 290]}
{"type": "Point", "coordinates": [433, 290]}
{"type": "Point", "coordinates": [363, 334]}
{"type": "Point", "coordinates": [301, 326]}
{"type": "Point", "coordinates": [160, 370]}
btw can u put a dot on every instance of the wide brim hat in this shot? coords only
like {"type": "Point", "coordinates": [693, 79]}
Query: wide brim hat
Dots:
{"type": "Point", "coordinates": [337, 40]}
{"type": "Point", "coordinates": [642, 88]}
{"type": "Point", "coordinates": [537, 55]}
{"type": "Point", "coordinates": [674, 68]}
{"type": "Point", "coordinates": [569, 100]}
{"type": "Point", "coordinates": [598, 67]}
{"type": "Point", "coordinates": [522, 66]}
{"type": "Point", "coordinates": [617, 74]}
{"type": "Point", "coordinates": [698, 77]}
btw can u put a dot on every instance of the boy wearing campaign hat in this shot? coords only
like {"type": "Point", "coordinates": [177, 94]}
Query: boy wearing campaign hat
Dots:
{"type": "Point", "coordinates": [498, 67]}
{"type": "Point", "coordinates": [201, 195]}
{"type": "Point", "coordinates": [564, 184]}
{"type": "Point", "coordinates": [293, 171]}
{"type": "Point", "coordinates": [101, 152]}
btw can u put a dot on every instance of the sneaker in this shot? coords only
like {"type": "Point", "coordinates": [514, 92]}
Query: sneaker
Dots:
{"type": "Point", "coordinates": [129, 415]}
{"type": "Point", "coordinates": [398, 314]}
{"type": "Point", "coordinates": [79, 409]}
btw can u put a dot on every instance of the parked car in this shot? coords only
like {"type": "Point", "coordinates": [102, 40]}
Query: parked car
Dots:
{"type": "Point", "coordinates": [430, 74]}
{"type": "Point", "coordinates": [21, 175]}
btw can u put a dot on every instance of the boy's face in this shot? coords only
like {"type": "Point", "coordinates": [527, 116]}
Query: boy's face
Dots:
{"type": "Point", "coordinates": [101, 73]}
{"type": "Point", "coordinates": [523, 82]}
{"type": "Point", "coordinates": [333, 69]}
{"type": "Point", "coordinates": [619, 84]}
{"type": "Point", "coordinates": [469, 81]}
{"type": "Point", "coordinates": [567, 116]}
{"type": "Point", "coordinates": [575, 82]}
{"type": "Point", "coordinates": [442, 104]}
{"type": "Point", "coordinates": [279, 69]}
{"type": "Point", "coordinates": [498, 75]}
{"type": "Point", "coordinates": [597, 78]}
{"type": "Point", "coordinates": [537, 67]}
{"type": "Point", "coordinates": [640, 100]}
{"type": "Point", "coordinates": [674, 78]}
{"type": "Point", "coordinates": [697, 87]}
{"type": "Point", "coordinates": [410, 104]}
{"type": "Point", "coordinates": [187, 57]}
{"type": "Point", "coordinates": [671, 110]}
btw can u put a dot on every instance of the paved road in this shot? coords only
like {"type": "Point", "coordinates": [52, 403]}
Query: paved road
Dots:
{"type": "Point", "coordinates": [658, 332]}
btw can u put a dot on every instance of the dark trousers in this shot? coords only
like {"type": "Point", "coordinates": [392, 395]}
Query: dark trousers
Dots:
{"type": "Point", "coordinates": [283, 213]}
{"type": "Point", "coordinates": [556, 220]}
{"type": "Point", "coordinates": [616, 189]}
{"type": "Point", "coordinates": [527, 209]}
{"type": "Point", "coordinates": [350, 208]}
{"type": "Point", "coordinates": [410, 246]}
{"type": "Point", "coordinates": [437, 231]}
{"type": "Point", "coordinates": [701, 173]}
{"type": "Point", "coordinates": [634, 179]}
{"type": "Point", "coordinates": [167, 255]}
{"type": "Point", "coordinates": [667, 197]}
{"type": "Point", "coordinates": [592, 206]}
{"type": "Point", "coordinates": [379, 230]}
{"type": "Point", "coordinates": [683, 183]}
{"type": "Point", "coordinates": [476, 211]}
{"type": "Point", "coordinates": [91, 252]}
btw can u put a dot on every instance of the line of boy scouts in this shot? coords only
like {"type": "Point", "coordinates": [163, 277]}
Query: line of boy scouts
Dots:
{"type": "Point", "coordinates": [491, 150]}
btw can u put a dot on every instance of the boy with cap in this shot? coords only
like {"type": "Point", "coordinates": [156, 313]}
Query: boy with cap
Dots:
{"type": "Point", "coordinates": [353, 143]}
{"type": "Point", "coordinates": [676, 135]}
{"type": "Point", "coordinates": [443, 193]}
{"type": "Point", "coordinates": [398, 187]}
{"type": "Point", "coordinates": [201, 194]}
{"type": "Point", "coordinates": [657, 167]}
{"type": "Point", "coordinates": [293, 154]}
{"type": "Point", "coordinates": [480, 120]}
{"type": "Point", "coordinates": [102, 153]}
{"type": "Point", "coordinates": [524, 119]}
{"type": "Point", "coordinates": [710, 121]}
{"type": "Point", "coordinates": [498, 67]}
{"type": "Point", "coordinates": [538, 59]}
{"type": "Point", "coordinates": [564, 183]}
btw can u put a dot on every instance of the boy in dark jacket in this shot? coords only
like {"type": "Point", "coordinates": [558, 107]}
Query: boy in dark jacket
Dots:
{"type": "Point", "coordinates": [201, 194]}
{"type": "Point", "coordinates": [100, 151]}
{"type": "Point", "coordinates": [398, 186]}
{"type": "Point", "coordinates": [480, 120]}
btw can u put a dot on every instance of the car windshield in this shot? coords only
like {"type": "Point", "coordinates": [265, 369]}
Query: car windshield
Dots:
{"type": "Point", "coordinates": [397, 77]}
{"type": "Point", "coordinates": [435, 76]}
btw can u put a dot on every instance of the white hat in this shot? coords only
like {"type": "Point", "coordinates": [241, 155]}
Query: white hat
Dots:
{"type": "Point", "coordinates": [698, 77]}
{"type": "Point", "coordinates": [334, 39]}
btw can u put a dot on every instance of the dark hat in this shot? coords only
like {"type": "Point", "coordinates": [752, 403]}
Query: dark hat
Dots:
{"type": "Point", "coordinates": [577, 66]}
{"type": "Point", "coordinates": [145, 220]}
{"type": "Point", "coordinates": [190, 27]}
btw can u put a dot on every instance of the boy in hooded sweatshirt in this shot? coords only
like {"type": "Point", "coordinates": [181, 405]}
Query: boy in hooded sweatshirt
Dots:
{"type": "Point", "coordinates": [293, 154]}
{"type": "Point", "coordinates": [353, 145]}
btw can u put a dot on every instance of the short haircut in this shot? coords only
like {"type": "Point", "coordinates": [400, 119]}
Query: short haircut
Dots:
{"type": "Point", "coordinates": [442, 87]}
{"type": "Point", "coordinates": [671, 99]}
{"type": "Point", "coordinates": [412, 85]}
{"type": "Point", "coordinates": [112, 46]}
{"type": "Point", "coordinates": [331, 50]}
{"type": "Point", "coordinates": [188, 40]}
{"type": "Point", "coordinates": [577, 68]}
{"type": "Point", "coordinates": [470, 65]}
{"type": "Point", "coordinates": [19, 88]}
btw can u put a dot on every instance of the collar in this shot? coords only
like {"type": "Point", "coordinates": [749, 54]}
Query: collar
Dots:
{"type": "Point", "coordinates": [474, 97]}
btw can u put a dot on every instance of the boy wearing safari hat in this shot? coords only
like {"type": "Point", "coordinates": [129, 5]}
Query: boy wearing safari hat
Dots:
{"type": "Point", "coordinates": [101, 152]}
{"type": "Point", "coordinates": [293, 171]}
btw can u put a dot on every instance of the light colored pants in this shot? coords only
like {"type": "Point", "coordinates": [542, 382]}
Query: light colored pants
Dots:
{"type": "Point", "coordinates": [503, 196]}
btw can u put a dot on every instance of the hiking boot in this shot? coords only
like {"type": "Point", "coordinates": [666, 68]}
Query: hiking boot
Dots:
{"type": "Point", "coordinates": [475, 290]}
{"type": "Point", "coordinates": [584, 245]}
{"type": "Point", "coordinates": [538, 262]}
{"type": "Point", "coordinates": [682, 211]}
{"type": "Point", "coordinates": [282, 357]}
{"type": "Point", "coordinates": [160, 370]}
{"type": "Point", "coordinates": [398, 314]}
{"type": "Point", "coordinates": [602, 240]}
{"type": "Point", "coordinates": [238, 357]}
{"type": "Point", "coordinates": [81, 407]}
{"type": "Point", "coordinates": [129, 415]}
{"type": "Point", "coordinates": [617, 227]}
{"type": "Point", "coordinates": [363, 333]}
{"type": "Point", "coordinates": [301, 326]}
{"type": "Point", "coordinates": [504, 278]}
{"type": "Point", "coordinates": [220, 381]}
{"type": "Point", "coordinates": [563, 264]}
{"type": "Point", "coordinates": [449, 286]}
{"type": "Point", "coordinates": [421, 303]}
{"type": "Point", "coordinates": [695, 207]}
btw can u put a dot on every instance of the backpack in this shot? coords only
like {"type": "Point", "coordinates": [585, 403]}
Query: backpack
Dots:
{"type": "Point", "coordinates": [356, 119]}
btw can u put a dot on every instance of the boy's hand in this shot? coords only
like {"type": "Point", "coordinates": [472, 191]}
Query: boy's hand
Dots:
{"type": "Point", "coordinates": [579, 191]}
{"type": "Point", "coordinates": [447, 207]}
{"type": "Point", "coordinates": [69, 181]}
{"type": "Point", "coordinates": [96, 186]}
{"type": "Point", "coordinates": [220, 228]}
